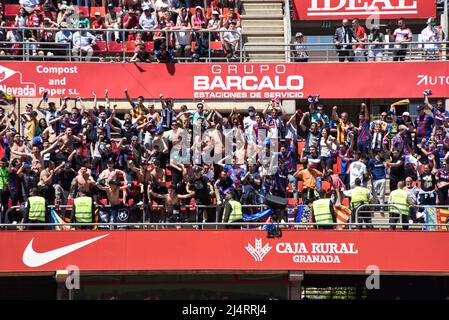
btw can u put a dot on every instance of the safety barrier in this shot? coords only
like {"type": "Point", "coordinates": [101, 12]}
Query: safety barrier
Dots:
{"type": "Point", "coordinates": [327, 52]}
{"type": "Point", "coordinates": [210, 46]}
{"type": "Point", "coordinates": [144, 224]}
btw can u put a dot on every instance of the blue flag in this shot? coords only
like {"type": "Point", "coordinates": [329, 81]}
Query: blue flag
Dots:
{"type": "Point", "coordinates": [304, 214]}
{"type": "Point", "coordinates": [431, 218]}
{"type": "Point", "coordinates": [260, 215]}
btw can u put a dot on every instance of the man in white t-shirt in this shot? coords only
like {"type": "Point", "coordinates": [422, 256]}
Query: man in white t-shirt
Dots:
{"type": "Point", "coordinates": [401, 35]}
{"type": "Point", "coordinates": [357, 169]}
{"type": "Point", "coordinates": [430, 34]}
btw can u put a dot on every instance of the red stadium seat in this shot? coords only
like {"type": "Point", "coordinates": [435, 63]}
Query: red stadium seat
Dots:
{"type": "Point", "coordinates": [85, 10]}
{"type": "Point", "coordinates": [149, 46]}
{"type": "Point", "coordinates": [118, 9]}
{"type": "Point", "coordinates": [99, 9]}
{"type": "Point", "coordinates": [193, 44]}
{"type": "Point", "coordinates": [130, 46]}
{"type": "Point", "coordinates": [216, 45]}
{"type": "Point", "coordinates": [11, 10]}
{"type": "Point", "coordinates": [292, 201]}
{"type": "Point", "coordinates": [115, 47]}
{"type": "Point", "coordinates": [100, 46]}
{"type": "Point", "coordinates": [325, 186]}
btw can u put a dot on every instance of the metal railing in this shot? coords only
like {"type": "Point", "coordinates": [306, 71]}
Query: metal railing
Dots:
{"type": "Point", "coordinates": [327, 52]}
{"type": "Point", "coordinates": [144, 224]}
{"type": "Point", "coordinates": [117, 49]}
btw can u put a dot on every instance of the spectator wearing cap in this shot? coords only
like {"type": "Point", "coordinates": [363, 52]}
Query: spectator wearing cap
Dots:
{"type": "Point", "coordinates": [147, 20]}
{"type": "Point", "coordinates": [82, 43]}
{"type": "Point", "coordinates": [376, 49]}
{"type": "Point", "coordinates": [300, 53]}
{"type": "Point", "coordinates": [430, 35]}
{"type": "Point", "coordinates": [67, 15]}
{"type": "Point", "coordinates": [113, 20]}
{"type": "Point", "coordinates": [29, 5]}
{"type": "Point", "coordinates": [215, 23]}
{"type": "Point", "coordinates": [198, 19]}
{"type": "Point", "coordinates": [99, 23]}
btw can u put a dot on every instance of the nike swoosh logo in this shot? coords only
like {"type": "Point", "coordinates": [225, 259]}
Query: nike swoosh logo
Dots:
{"type": "Point", "coordinates": [34, 259]}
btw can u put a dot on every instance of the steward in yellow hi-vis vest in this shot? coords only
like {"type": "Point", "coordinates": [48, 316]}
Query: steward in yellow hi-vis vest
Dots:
{"type": "Point", "coordinates": [400, 200]}
{"type": "Point", "coordinates": [36, 210]}
{"type": "Point", "coordinates": [232, 211]}
{"type": "Point", "coordinates": [360, 196]}
{"type": "Point", "coordinates": [323, 213]}
{"type": "Point", "coordinates": [82, 211]}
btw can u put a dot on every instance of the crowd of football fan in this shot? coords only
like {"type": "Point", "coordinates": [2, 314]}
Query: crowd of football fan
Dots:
{"type": "Point", "coordinates": [90, 157]}
{"type": "Point", "coordinates": [147, 22]}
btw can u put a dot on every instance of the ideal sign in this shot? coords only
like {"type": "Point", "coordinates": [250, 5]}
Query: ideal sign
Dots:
{"type": "Point", "coordinates": [382, 9]}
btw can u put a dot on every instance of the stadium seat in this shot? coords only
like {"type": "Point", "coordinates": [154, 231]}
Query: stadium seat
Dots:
{"type": "Point", "coordinates": [85, 10]}
{"type": "Point", "coordinates": [149, 46]}
{"type": "Point", "coordinates": [118, 9]}
{"type": "Point", "coordinates": [115, 47]}
{"type": "Point", "coordinates": [325, 186]}
{"type": "Point", "coordinates": [193, 44]}
{"type": "Point", "coordinates": [11, 10]}
{"type": "Point", "coordinates": [99, 9]}
{"type": "Point", "coordinates": [216, 46]}
{"type": "Point", "coordinates": [9, 23]}
{"type": "Point", "coordinates": [100, 47]}
{"type": "Point", "coordinates": [130, 46]}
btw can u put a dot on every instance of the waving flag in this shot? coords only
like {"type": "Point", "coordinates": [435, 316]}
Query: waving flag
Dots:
{"type": "Point", "coordinates": [442, 218]}
{"type": "Point", "coordinates": [263, 216]}
{"type": "Point", "coordinates": [55, 218]}
{"type": "Point", "coordinates": [304, 214]}
{"type": "Point", "coordinates": [342, 214]}
{"type": "Point", "coordinates": [7, 99]}
{"type": "Point", "coordinates": [431, 217]}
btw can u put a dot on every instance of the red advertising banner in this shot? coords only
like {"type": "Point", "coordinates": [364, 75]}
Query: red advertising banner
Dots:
{"type": "Point", "coordinates": [363, 9]}
{"type": "Point", "coordinates": [255, 81]}
{"type": "Point", "coordinates": [414, 251]}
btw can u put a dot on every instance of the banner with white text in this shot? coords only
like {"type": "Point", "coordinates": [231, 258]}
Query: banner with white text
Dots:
{"type": "Point", "coordinates": [243, 81]}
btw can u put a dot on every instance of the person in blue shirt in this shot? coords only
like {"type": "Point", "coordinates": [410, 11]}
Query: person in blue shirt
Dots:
{"type": "Point", "coordinates": [439, 112]}
{"type": "Point", "coordinates": [424, 125]}
{"type": "Point", "coordinates": [377, 170]}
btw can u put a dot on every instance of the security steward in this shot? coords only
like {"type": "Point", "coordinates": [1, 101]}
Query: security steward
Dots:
{"type": "Point", "coordinates": [360, 196]}
{"type": "Point", "coordinates": [323, 213]}
{"type": "Point", "coordinates": [232, 211]}
{"type": "Point", "coordinates": [400, 199]}
{"type": "Point", "coordinates": [82, 210]}
{"type": "Point", "coordinates": [35, 211]}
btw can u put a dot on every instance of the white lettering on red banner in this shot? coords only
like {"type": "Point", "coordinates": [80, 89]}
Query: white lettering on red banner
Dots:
{"type": "Point", "coordinates": [339, 9]}
{"type": "Point", "coordinates": [245, 81]}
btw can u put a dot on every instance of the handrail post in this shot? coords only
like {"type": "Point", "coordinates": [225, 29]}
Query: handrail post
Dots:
{"type": "Point", "coordinates": [208, 45]}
